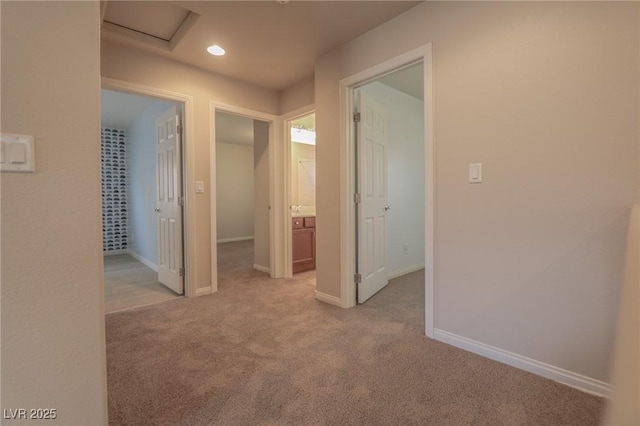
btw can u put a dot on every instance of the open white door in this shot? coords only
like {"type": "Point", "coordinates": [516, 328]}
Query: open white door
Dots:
{"type": "Point", "coordinates": [372, 187]}
{"type": "Point", "coordinates": [169, 196]}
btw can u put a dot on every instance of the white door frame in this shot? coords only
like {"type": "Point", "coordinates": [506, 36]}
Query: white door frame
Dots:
{"type": "Point", "coordinates": [286, 129]}
{"type": "Point", "coordinates": [188, 171]}
{"type": "Point", "coordinates": [347, 175]}
{"type": "Point", "coordinates": [276, 241]}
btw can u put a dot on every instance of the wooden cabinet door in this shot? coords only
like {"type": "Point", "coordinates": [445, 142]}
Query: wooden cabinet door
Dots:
{"type": "Point", "coordinates": [304, 249]}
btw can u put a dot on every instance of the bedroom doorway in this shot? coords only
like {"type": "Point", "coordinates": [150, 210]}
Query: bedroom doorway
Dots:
{"type": "Point", "coordinates": [242, 237]}
{"type": "Point", "coordinates": [365, 166]}
{"type": "Point", "coordinates": [142, 199]}
{"type": "Point", "coordinates": [242, 196]}
{"type": "Point", "coordinates": [390, 172]}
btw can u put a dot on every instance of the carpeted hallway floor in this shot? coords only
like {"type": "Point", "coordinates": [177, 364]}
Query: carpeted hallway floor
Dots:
{"type": "Point", "coordinates": [264, 351]}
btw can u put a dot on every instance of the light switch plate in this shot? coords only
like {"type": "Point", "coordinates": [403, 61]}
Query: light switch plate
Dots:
{"type": "Point", "coordinates": [17, 153]}
{"type": "Point", "coordinates": [199, 187]}
{"type": "Point", "coordinates": [475, 173]}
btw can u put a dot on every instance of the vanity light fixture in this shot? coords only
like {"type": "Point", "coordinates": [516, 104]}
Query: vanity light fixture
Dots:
{"type": "Point", "coordinates": [215, 50]}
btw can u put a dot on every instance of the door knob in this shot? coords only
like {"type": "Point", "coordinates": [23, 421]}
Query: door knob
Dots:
{"type": "Point", "coordinates": [157, 210]}
{"type": "Point", "coordinates": [387, 208]}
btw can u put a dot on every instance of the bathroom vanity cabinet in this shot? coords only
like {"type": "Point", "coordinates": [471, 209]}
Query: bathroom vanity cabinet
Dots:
{"type": "Point", "coordinates": [304, 243]}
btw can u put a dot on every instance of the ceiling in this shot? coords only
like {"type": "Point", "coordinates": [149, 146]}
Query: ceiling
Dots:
{"type": "Point", "coordinates": [268, 44]}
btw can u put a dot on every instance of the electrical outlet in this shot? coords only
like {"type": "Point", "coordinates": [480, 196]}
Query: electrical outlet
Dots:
{"type": "Point", "coordinates": [406, 249]}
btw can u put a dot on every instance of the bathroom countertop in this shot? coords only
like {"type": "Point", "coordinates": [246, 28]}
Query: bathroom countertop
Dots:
{"type": "Point", "coordinates": [304, 211]}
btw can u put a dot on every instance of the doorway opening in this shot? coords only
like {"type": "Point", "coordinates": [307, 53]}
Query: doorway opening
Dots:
{"type": "Point", "coordinates": [242, 237]}
{"type": "Point", "coordinates": [302, 199]}
{"type": "Point", "coordinates": [389, 175]}
{"type": "Point", "coordinates": [142, 199]}
{"type": "Point", "coordinates": [388, 206]}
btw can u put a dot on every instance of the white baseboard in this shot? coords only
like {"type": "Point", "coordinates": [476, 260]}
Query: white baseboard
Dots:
{"type": "Point", "coordinates": [115, 252]}
{"type": "Point", "coordinates": [261, 268]}
{"type": "Point", "coordinates": [405, 271]}
{"type": "Point", "coordinates": [203, 291]}
{"type": "Point", "coordinates": [332, 300]}
{"type": "Point", "coordinates": [232, 240]}
{"type": "Point", "coordinates": [575, 380]}
{"type": "Point", "coordinates": [141, 259]}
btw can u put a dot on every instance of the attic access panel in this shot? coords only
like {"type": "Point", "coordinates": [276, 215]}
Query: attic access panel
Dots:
{"type": "Point", "coordinates": [160, 23]}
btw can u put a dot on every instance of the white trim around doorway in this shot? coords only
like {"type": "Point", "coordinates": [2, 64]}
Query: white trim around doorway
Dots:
{"type": "Point", "coordinates": [347, 175]}
{"type": "Point", "coordinates": [189, 229]}
{"type": "Point", "coordinates": [276, 241]}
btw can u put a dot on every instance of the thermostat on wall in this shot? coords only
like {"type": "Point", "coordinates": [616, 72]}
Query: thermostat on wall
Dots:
{"type": "Point", "coordinates": [17, 154]}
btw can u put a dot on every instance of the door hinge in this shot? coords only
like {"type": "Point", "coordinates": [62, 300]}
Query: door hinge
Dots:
{"type": "Point", "coordinates": [180, 129]}
{"type": "Point", "coordinates": [181, 272]}
{"type": "Point", "coordinates": [356, 117]}
{"type": "Point", "coordinates": [357, 278]}
{"type": "Point", "coordinates": [180, 201]}
{"type": "Point", "coordinates": [357, 198]}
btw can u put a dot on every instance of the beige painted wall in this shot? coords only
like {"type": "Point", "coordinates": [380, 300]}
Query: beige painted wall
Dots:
{"type": "Point", "coordinates": [138, 67]}
{"type": "Point", "coordinates": [299, 95]}
{"type": "Point", "coordinates": [261, 193]}
{"type": "Point", "coordinates": [235, 195]}
{"type": "Point", "coordinates": [53, 351]}
{"type": "Point", "coordinates": [545, 95]}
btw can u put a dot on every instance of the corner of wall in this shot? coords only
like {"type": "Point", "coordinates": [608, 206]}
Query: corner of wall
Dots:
{"type": "Point", "coordinates": [297, 95]}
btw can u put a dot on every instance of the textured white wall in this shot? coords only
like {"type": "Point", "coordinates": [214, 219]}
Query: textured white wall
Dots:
{"type": "Point", "coordinates": [405, 176]}
{"type": "Point", "coordinates": [142, 188]}
{"type": "Point", "coordinates": [53, 342]}
{"type": "Point", "coordinates": [545, 95]}
{"type": "Point", "coordinates": [235, 191]}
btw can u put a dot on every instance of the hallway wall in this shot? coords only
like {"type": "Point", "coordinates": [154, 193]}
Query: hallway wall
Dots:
{"type": "Point", "coordinates": [53, 335]}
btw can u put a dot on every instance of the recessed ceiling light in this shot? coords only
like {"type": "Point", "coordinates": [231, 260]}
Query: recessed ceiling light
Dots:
{"type": "Point", "coordinates": [216, 50]}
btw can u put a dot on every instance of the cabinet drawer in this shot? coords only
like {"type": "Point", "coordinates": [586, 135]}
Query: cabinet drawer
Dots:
{"type": "Point", "coordinates": [309, 222]}
{"type": "Point", "coordinates": [297, 222]}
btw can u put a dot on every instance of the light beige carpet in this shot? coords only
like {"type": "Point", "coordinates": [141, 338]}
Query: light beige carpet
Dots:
{"type": "Point", "coordinates": [266, 352]}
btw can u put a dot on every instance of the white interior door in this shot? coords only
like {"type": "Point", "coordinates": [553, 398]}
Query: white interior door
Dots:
{"type": "Point", "coordinates": [372, 186]}
{"type": "Point", "coordinates": [169, 196]}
